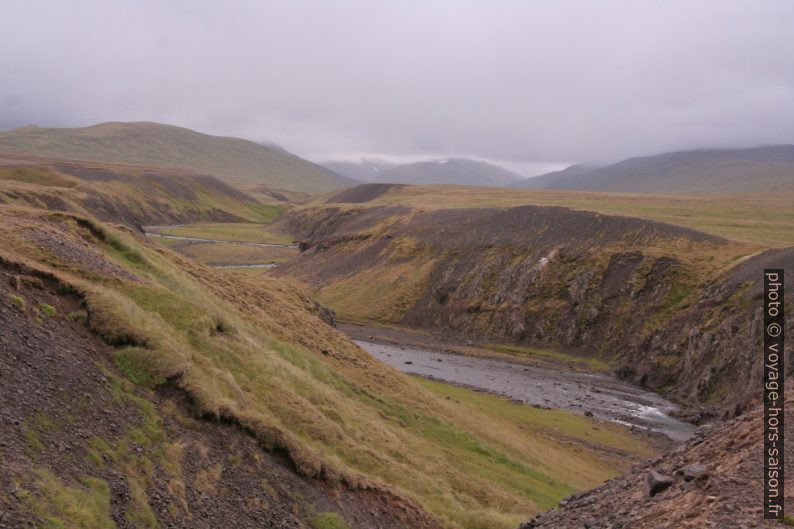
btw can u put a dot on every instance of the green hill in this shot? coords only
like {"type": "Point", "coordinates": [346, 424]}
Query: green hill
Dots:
{"type": "Point", "coordinates": [767, 169]}
{"type": "Point", "coordinates": [239, 162]}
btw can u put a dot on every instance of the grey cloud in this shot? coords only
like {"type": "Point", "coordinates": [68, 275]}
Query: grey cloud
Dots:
{"type": "Point", "coordinates": [526, 83]}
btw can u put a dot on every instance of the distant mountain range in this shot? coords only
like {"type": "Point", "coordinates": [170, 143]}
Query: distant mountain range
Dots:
{"type": "Point", "coordinates": [760, 169]}
{"type": "Point", "coordinates": [236, 161]}
{"type": "Point", "coordinates": [365, 170]}
{"type": "Point", "coordinates": [253, 167]}
{"type": "Point", "coordinates": [446, 171]}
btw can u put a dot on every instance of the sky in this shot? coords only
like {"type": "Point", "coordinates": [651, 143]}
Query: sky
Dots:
{"type": "Point", "coordinates": [533, 85]}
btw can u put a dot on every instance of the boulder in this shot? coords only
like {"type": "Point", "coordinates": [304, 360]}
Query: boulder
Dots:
{"type": "Point", "coordinates": [693, 471]}
{"type": "Point", "coordinates": [658, 482]}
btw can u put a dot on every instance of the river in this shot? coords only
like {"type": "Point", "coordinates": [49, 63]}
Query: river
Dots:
{"type": "Point", "coordinates": [605, 396]}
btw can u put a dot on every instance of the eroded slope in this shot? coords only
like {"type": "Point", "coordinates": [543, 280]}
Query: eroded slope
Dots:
{"type": "Point", "coordinates": [261, 358]}
{"type": "Point", "coordinates": [82, 447]}
{"type": "Point", "coordinates": [652, 298]}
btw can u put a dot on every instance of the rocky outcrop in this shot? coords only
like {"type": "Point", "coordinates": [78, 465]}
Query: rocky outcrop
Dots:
{"type": "Point", "coordinates": [710, 351]}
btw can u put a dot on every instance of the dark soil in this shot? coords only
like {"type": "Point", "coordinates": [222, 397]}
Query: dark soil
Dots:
{"type": "Point", "coordinates": [361, 194]}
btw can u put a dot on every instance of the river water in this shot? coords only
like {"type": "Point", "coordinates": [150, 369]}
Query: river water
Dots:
{"type": "Point", "coordinates": [605, 396]}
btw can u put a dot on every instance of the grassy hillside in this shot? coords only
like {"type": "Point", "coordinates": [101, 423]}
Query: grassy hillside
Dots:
{"type": "Point", "coordinates": [758, 170]}
{"type": "Point", "coordinates": [762, 219]}
{"type": "Point", "coordinates": [236, 161]}
{"type": "Point", "coordinates": [88, 445]}
{"type": "Point", "coordinates": [130, 195]}
{"type": "Point", "coordinates": [258, 353]}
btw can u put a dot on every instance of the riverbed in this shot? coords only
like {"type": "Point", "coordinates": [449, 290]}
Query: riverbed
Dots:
{"type": "Point", "coordinates": [602, 395]}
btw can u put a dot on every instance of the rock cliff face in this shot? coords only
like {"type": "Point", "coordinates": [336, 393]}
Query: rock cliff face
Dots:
{"type": "Point", "coordinates": [710, 351]}
{"type": "Point", "coordinates": [653, 298]}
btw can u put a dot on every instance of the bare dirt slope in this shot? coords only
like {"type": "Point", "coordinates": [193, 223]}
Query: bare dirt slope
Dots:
{"type": "Point", "coordinates": [726, 493]}
{"type": "Point", "coordinates": [362, 193]}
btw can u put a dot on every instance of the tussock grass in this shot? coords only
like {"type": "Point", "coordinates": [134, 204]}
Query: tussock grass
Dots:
{"type": "Point", "coordinates": [18, 302]}
{"type": "Point", "coordinates": [256, 352]}
{"type": "Point", "coordinates": [135, 363]}
{"type": "Point", "coordinates": [61, 507]}
{"type": "Point", "coordinates": [47, 310]}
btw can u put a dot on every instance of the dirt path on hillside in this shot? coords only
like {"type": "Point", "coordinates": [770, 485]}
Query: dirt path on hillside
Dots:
{"type": "Point", "coordinates": [199, 239]}
{"type": "Point", "coordinates": [186, 243]}
{"type": "Point", "coordinates": [542, 384]}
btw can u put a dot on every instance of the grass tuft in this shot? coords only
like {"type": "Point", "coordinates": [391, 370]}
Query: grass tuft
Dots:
{"type": "Point", "coordinates": [86, 506]}
{"type": "Point", "coordinates": [328, 520]}
{"type": "Point", "coordinates": [18, 302]}
{"type": "Point", "coordinates": [135, 363]}
{"type": "Point", "coordinates": [47, 310]}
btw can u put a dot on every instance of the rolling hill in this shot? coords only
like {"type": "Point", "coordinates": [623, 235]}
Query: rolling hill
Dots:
{"type": "Point", "coordinates": [549, 180]}
{"type": "Point", "coordinates": [449, 171]}
{"type": "Point", "coordinates": [242, 163]}
{"type": "Point", "coordinates": [364, 170]}
{"type": "Point", "coordinates": [761, 169]}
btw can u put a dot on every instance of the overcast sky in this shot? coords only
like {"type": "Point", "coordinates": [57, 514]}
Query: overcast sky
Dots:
{"type": "Point", "coordinates": [527, 83]}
